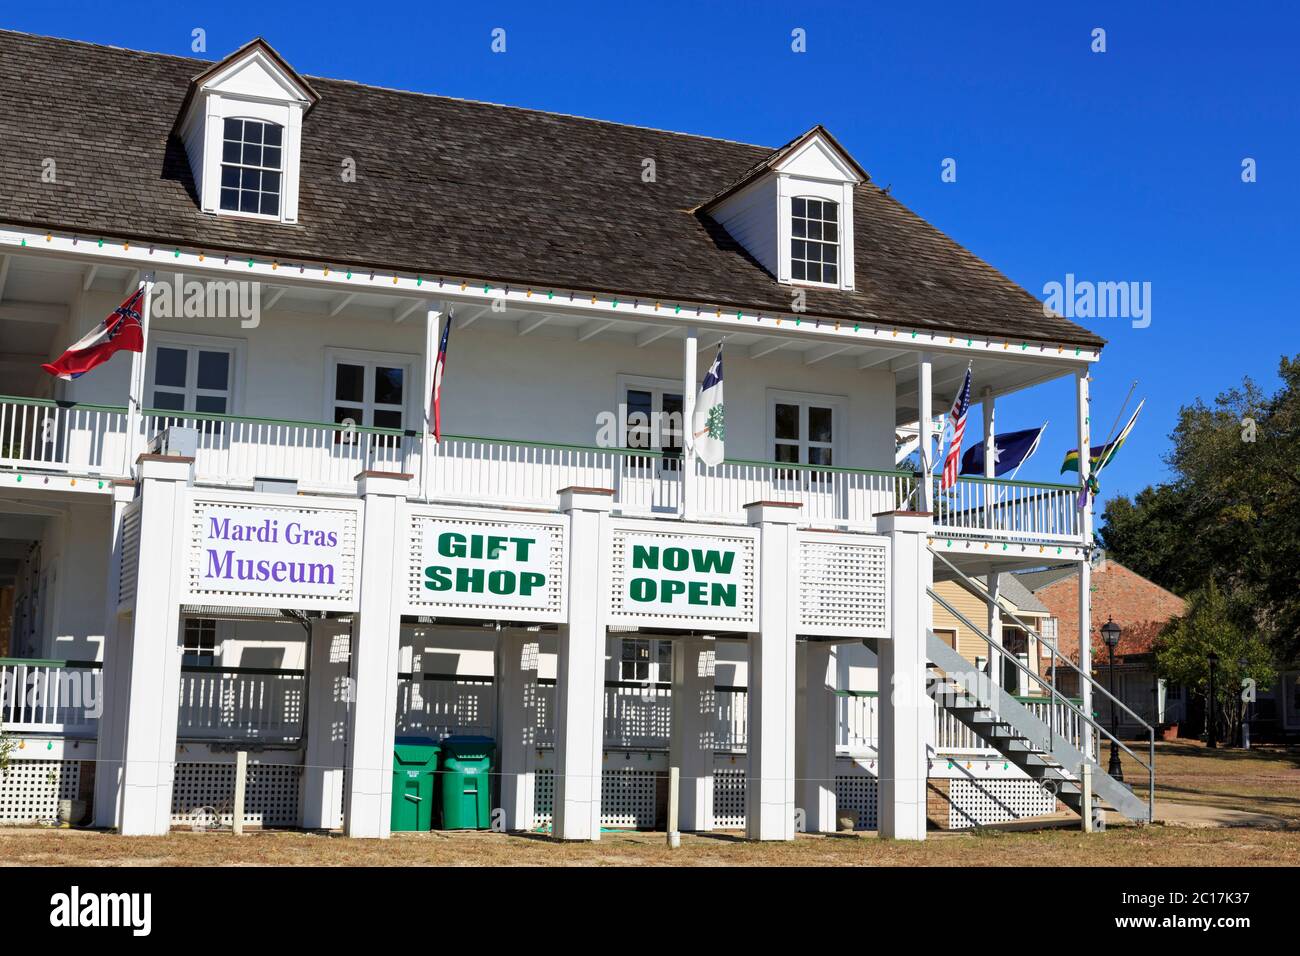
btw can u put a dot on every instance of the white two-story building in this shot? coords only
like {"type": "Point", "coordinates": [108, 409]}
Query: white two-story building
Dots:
{"type": "Point", "coordinates": [247, 537]}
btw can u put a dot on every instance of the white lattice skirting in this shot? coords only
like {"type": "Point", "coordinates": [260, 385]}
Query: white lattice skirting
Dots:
{"type": "Point", "coordinates": [981, 802]}
{"type": "Point", "coordinates": [31, 790]}
{"type": "Point", "coordinates": [204, 795]}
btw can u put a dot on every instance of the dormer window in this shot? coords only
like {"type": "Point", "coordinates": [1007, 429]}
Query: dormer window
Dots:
{"type": "Point", "coordinates": [814, 240]}
{"type": "Point", "coordinates": [252, 164]}
{"type": "Point", "coordinates": [242, 125]}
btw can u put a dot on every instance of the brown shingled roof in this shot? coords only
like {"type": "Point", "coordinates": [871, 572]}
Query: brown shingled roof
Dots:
{"type": "Point", "coordinates": [463, 190]}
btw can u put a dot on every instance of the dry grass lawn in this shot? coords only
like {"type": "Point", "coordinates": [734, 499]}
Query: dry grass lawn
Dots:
{"type": "Point", "coordinates": [1264, 781]}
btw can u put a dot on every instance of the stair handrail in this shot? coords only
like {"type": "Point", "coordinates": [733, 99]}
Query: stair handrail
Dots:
{"type": "Point", "coordinates": [1096, 685]}
{"type": "Point", "coordinates": [1149, 766]}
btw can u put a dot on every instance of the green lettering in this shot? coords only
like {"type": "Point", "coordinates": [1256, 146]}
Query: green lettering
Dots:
{"type": "Point", "coordinates": [439, 578]}
{"type": "Point", "coordinates": [724, 595]}
{"type": "Point", "coordinates": [451, 544]}
{"type": "Point", "coordinates": [642, 589]}
{"type": "Point", "coordinates": [644, 556]}
{"type": "Point", "coordinates": [718, 562]}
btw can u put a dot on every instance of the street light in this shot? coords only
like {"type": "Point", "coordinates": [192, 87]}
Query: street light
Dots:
{"type": "Point", "coordinates": [1211, 739]}
{"type": "Point", "coordinates": [1110, 634]}
{"type": "Point", "coordinates": [1245, 706]}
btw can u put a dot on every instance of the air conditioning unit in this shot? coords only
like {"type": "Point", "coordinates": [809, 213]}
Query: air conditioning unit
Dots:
{"type": "Point", "coordinates": [175, 441]}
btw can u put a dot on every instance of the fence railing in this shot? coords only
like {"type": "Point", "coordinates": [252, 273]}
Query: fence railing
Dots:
{"type": "Point", "coordinates": [438, 705]}
{"type": "Point", "coordinates": [997, 508]}
{"type": "Point", "coordinates": [62, 436]}
{"type": "Point", "coordinates": [50, 696]}
{"type": "Point", "coordinates": [240, 703]}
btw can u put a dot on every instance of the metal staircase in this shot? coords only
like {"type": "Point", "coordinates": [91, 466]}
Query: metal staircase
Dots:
{"type": "Point", "coordinates": [1051, 752]}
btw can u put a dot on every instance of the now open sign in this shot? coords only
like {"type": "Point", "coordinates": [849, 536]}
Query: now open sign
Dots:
{"type": "Point", "coordinates": [692, 575]}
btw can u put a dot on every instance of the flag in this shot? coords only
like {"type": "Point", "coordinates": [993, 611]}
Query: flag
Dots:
{"type": "Point", "coordinates": [121, 330]}
{"type": "Point", "coordinates": [439, 370]}
{"type": "Point", "coordinates": [708, 424]}
{"type": "Point", "coordinates": [957, 427]}
{"type": "Point", "coordinates": [1101, 455]}
{"type": "Point", "coordinates": [1010, 451]}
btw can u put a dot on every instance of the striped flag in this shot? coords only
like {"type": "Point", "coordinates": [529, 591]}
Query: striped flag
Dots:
{"type": "Point", "coordinates": [439, 370]}
{"type": "Point", "coordinates": [957, 422]}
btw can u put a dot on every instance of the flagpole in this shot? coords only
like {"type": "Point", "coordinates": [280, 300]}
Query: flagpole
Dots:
{"type": "Point", "coordinates": [135, 387]}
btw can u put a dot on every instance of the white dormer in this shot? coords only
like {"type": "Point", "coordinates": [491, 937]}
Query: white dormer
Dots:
{"type": "Point", "coordinates": [794, 211]}
{"type": "Point", "coordinates": [242, 129]}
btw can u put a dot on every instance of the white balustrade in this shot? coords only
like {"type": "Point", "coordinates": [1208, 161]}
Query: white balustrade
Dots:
{"type": "Point", "coordinates": [56, 697]}
{"type": "Point", "coordinates": [438, 706]}
{"type": "Point", "coordinates": [994, 508]}
{"type": "Point", "coordinates": [240, 704]}
{"type": "Point", "coordinates": [50, 436]}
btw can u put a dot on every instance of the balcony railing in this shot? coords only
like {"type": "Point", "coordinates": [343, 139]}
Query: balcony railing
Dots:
{"type": "Point", "coordinates": [50, 696]}
{"type": "Point", "coordinates": [325, 458]}
{"type": "Point", "coordinates": [240, 703]}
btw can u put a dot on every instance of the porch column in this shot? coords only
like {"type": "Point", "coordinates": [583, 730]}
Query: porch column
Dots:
{"type": "Point", "coordinates": [905, 708]}
{"type": "Point", "coordinates": [135, 439]}
{"type": "Point", "coordinates": [580, 695]}
{"type": "Point", "coordinates": [925, 429]}
{"type": "Point", "coordinates": [994, 616]}
{"type": "Point", "coordinates": [694, 734]}
{"type": "Point", "coordinates": [690, 383]}
{"type": "Point", "coordinates": [113, 676]}
{"type": "Point", "coordinates": [326, 727]}
{"type": "Point", "coordinates": [815, 732]}
{"type": "Point", "coordinates": [769, 797]}
{"type": "Point", "coordinates": [1083, 416]}
{"type": "Point", "coordinates": [375, 638]}
{"type": "Point", "coordinates": [432, 340]}
{"type": "Point", "coordinates": [516, 686]}
{"type": "Point", "coordinates": [150, 658]}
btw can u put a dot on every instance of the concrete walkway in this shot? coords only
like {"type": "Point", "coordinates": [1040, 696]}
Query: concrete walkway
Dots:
{"type": "Point", "coordinates": [1172, 813]}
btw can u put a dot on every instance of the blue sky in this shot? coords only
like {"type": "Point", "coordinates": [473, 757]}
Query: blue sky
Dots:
{"type": "Point", "coordinates": [1115, 166]}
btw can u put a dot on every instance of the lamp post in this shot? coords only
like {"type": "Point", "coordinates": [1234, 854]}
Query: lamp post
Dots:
{"type": "Point", "coordinates": [1110, 632]}
{"type": "Point", "coordinates": [1245, 707]}
{"type": "Point", "coordinates": [1211, 738]}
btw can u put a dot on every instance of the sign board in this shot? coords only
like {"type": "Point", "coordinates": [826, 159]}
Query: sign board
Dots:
{"type": "Point", "coordinates": [279, 556]}
{"type": "Point", "coordinates": [683, 580]}
{"type": "Point", "coordinates": [492, 570]}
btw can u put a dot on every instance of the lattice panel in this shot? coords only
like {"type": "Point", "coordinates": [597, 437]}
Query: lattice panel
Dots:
{"type": "Point", "coordinates": [422, 600]}
{"type": "Point", "coordinates": [843, 588]}
{"type": "Point", "coordinates": [204, 793]}
{"type": "Point", "coordinates": [299, 559]}
{"type": "Point", "coordinates": [729, 786]}
{"type": "Point", "coordinates": [31, 790]}
{"type": "Point", "coordinates": [627, 798]}
{"type": "Point", "coordinates": [858, 794]}
{"type": "Point", "coordinates": [126, 573]}
{"type": "Point", "coordinates": [980, 802]}
{"type": "Point", "coordinates": [624, 611]}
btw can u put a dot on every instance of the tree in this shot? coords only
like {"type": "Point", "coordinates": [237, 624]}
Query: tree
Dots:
{"type": "Point", "coordinates": [1231, 514]}
{"type": "Point", "coordinates": [1212, 624]}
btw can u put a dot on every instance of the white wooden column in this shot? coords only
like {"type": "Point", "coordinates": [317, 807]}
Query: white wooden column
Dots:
{"type": "Point", "coordinates": [925, 429]}
{"type": "Point", "coordinates": [375, 639]}
{"type": "Point", "coordinates": [152, 646]}
{"type": "Point", "coordinates": [769, 795]}
{"type": "Point", "coordinates": [693, 737]}
{"type": "Point", "coordinates": [136, 440]}
{"type": "Point", "coordinates": [580, 695]}
{"type": "Point", "coordinates": [1083, 416]}
{"type": "Point", "coordinates": [905, 708]}
{"type": "Point", "coordinates": [327, 727]}
{"type": "Point", "coordinates": [517, 653]}
{"type": "Point", "coordinates": [816, 724]}
{"type": "Point", "coordinates": [690, 385]}
{"type": "Point", "coordinates": [114, 676]}
{"type": "Point", "coordinates": [433, 317]}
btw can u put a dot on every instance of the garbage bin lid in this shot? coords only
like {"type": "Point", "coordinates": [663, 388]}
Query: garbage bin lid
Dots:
{"type": "Point", "coordinates": [468, 745]}
{"type": "Point", "coordinates": [415, 750]}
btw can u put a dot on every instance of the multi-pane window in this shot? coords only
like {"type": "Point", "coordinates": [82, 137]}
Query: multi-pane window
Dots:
{"type": "Point", "coordinates": [814, 240]}
{"type": "Point", "coordinates": [200, 642]}
{"type": "Point", "coordinates": [192, 378]}
{"type": "Point", "coordinates": [252, 167]}
{"type": "Point", "coordinates": [653, 418]}
{"type": "Point", "coordinates": [643, 661]}
{"type": "Point", "coordinates": [368, 394]}
{"type": "Point", "coordinates": [803, 433]}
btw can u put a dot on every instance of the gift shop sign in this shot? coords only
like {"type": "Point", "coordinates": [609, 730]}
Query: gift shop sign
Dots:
{"type": "Point", "coordinates": [501, 565]}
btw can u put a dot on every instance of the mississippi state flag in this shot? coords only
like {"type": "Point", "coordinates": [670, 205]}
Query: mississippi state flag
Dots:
{"type": "Point", "coordinates": [439, 370]}
{"type": "Point", "coordinates": [956, 422]}
{"type": "Point", "coordinates": [121, 330]}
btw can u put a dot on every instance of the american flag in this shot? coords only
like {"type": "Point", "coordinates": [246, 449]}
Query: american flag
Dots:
{"type": "Point", "coordinates": [957, 422]}
{"type": "Point", "coordinates": [439, 369]}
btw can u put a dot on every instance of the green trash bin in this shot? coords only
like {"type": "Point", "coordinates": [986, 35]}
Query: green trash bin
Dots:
{"type": "Point", "coordinates": [415, 763]}
{"type": "Point", "coordinates": [467, 782]}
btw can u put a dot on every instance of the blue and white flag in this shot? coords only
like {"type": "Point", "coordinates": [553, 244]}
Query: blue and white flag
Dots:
{"type": "Point", "coordinates": [708, 425]}
{"type": "Point", "coordinates": [1010, 451]}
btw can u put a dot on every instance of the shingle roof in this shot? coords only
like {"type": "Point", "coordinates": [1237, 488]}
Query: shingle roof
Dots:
{"type": "Point", "coordinates": [464, 190]}
{"type": "Point", "coordinates": [1015, 593]}
{"type": "Point", "coordinates": [1037, 580]}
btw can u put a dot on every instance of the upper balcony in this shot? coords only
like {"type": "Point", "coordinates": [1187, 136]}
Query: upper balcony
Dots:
{"type": "Point", "coordinates": [538, 397]}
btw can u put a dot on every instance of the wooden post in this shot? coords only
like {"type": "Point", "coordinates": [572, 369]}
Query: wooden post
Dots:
{"type": "Point", "coordinates": [241, 781]}
{"type": "Point", "coordinates": [674, 791]}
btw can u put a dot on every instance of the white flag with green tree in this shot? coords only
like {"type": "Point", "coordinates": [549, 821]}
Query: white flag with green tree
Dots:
{"type": "Point", "coordinates": [709, 426]}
